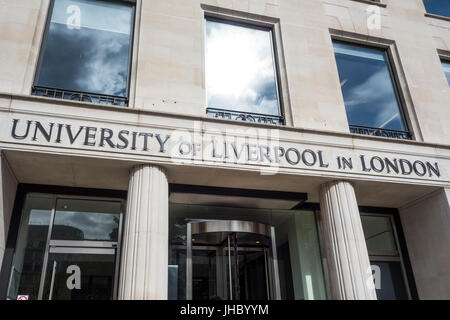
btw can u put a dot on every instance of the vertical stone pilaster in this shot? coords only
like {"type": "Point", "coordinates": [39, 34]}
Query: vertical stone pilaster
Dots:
{"type": "Point", "coordinates": [143, 271]}
{"type": "Point", "coordinates": [346, 250]}
{"type": "Point", "coordinates": [8, 188]}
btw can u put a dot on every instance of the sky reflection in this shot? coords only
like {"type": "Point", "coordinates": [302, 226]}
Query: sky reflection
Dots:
{"type": "Point", "coordinates": [367, 87]}
{"type": "Point", "coordinates": [92, 58]}
{"type": "Point", "coordinates": [438, 7]}
{"type": "Point", "coordinates": [86, 220]}
{"type": "Point", "coordinates": [240, 70]}
{"type": "Point", "coordinates": [446, 66]}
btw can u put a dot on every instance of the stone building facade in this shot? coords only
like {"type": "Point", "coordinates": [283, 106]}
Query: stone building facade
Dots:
{"type": "Point", "coordinates": [177, 196]}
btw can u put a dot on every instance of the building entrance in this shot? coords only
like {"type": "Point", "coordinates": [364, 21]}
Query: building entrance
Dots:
{"type": "Point", "coordinates": [231, 260]}
{"type": "Point", "coordinates": [67, 248]}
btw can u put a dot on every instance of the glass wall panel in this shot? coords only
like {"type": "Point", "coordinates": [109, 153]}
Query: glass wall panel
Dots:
{"type": "Point", "coordinates": [96, 276]}
{"type": "Point", "coordinates": [240, 68]}
{"type": "Point", "coordinates": [384, 255]}
{"type": "Point", "coordinates": [88, 46]}
{"type": "Point", "coordinates": [30, 248]}
{"type": "Point", "coordinates": [80, 219]}
{"type": "Point", "coordinates": [438, 7]}
{"type": "Point", "coordinates": [84, 220]}
{"type": "Point", "coordinates": [367, 86]}
{"type": "Point", "coordinates": [391, 284]}
{"type": "Point", "coordinates": [446, 66]}
{"type": "Point", "coordinates": [379, 234]}
{"type": "Point", "coordinates": [298, 254]}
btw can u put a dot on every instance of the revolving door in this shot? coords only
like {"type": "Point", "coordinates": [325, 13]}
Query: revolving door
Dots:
{"type": "Point", "coordinates": [231, 260]}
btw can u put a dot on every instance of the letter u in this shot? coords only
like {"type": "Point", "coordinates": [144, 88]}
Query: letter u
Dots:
{"type": "Point", "coordinates": [13, 132]}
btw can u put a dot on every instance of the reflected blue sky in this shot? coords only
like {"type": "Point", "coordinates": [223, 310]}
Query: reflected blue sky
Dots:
{"type": "Point", "coordinates": [439, 7]}
{"type": "Point", "coordinates": [93, 58]}
{"type": "Point", "coordinates": [367, 87]}
{"type": "Point", "coordinates": [240, 70]}
{"type": "Point", "coordinates": [446, 66]}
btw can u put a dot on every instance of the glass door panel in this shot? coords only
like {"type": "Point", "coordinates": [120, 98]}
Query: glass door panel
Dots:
{"type": "Point", "coordinates": [61, 232]}
{"type": "Point", "coordinates": [80, 274]}
{"type": "Point", "coordinates": [253, 281]}
{"type": "Point", "coordinates": [204, 276]}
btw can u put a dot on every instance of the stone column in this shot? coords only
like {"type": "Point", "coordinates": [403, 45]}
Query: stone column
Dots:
{"type": "Point", "coordinates": [8, 188]}
{"type": "Point", "coordinates": [345, 245]}
{"type": "Point", "coordinates": [143, 271]}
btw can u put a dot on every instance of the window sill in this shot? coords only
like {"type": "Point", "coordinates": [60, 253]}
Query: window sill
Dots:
{"type": "Point", "coordinates": [371, 2]}
{"type": "Point", "coordinates": [431, 15]}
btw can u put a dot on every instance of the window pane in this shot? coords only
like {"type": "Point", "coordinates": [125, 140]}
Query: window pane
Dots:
{"type": "Point", "coordinates": [367, 87]}
{"type": "Point", "coordinates": [240, 69]}
{"type": "Point", "coordinates": [439, 7]}
{"type": "Point", "coordinates": [31, 242]}
{"type": "Point", "coordinates": [446, 66]}
{"type": "Point", "coordinates": [96, 276]}
{"type": "Point", "coordinates": [391, 285]}
{"type": "Point", "coordinates": [86, 220]}
{"type": "Point", "coordinates": [379, 234]}
{"type": "Point", "coordinates": [87, 47]}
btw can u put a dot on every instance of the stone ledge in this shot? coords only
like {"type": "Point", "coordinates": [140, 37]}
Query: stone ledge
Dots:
{"type": "Point", "coordinates": [371, 2]}
{"type": "Point", "coordinates": [431, 15]}
{"type": "Point", "coordinates": [131, 110]}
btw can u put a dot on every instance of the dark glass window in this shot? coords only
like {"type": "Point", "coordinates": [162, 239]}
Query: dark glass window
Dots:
{"type": "Point", "coordinates": [87, 50]}
{"type": "Point", "coordinates": [370, 96]}
{"type": "Point", "coordinates": [83, 232]}
{"type": "Point", "coordinates": [31, 245]}
{"type": "Point", "coordinates": [384, 257]}
{"type": "Point", "coordinates": [438, 7]}
{"type": "Point", "coordinates": [86, 220]}
{"type": "Point", "coordinates": [446, 66]}
{"type": "Point", "coordinates": [241, 75]}
{"type": "Point", "coordinates": [392, 285]}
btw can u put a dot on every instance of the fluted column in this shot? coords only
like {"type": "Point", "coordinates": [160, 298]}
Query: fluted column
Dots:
{"type": "Point", "coordinates": [143, 274]}
{"type": "Point", "coordinates": [348, 260]}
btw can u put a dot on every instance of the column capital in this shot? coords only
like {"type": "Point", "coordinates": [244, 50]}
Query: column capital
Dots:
{"type": "Point", "coordinates": [149, 165]}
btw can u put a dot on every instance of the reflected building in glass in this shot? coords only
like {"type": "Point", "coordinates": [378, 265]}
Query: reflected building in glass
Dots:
{"type": "Point", "coordinates": [227, 150]}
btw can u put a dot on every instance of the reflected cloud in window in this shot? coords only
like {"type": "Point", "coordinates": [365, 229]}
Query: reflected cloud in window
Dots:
{"type": "Point", "coordinates": [86, 220]}
{"type": "Point", "coordinates": [240, 68]}
{"type": "Point", "coordinates": [88, 47]}
{"type": "Point", "coordinates": [367, 87]}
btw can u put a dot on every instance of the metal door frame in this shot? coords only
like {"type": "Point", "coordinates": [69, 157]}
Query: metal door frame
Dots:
{"type": "Point", "coordinates": [234, 226]}
{"type": "Point", "coordinates": [85, 246]}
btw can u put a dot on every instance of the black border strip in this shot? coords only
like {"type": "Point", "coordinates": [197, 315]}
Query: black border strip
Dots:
{"type": "Point", "coordinates": [405, 255]}
{"type": "Point", "coordinates": [22, 190]}
{"type": "Point", "coordinates": [236, 192]}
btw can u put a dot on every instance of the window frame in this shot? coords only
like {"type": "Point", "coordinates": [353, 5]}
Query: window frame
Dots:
{"type": "Point", "coordinates": [379, 3]}
{"type": "Point", "coordinates": [445, 74]}
{"type": "Point", "coordinates": [402, 253]}
{"type": "Point", "coordinates": [258, 25]}
{"type": "Point", "coordinates": [392, 62]}
{"type": "Point", "coordinates": [43, 45]}
{"type": "Point", "coordinates": [444, 57]}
